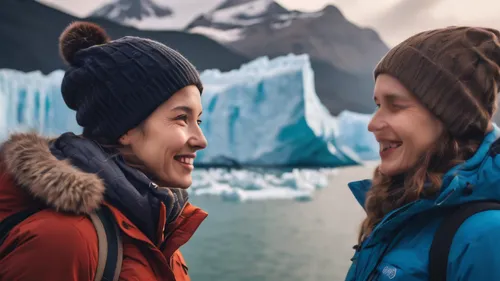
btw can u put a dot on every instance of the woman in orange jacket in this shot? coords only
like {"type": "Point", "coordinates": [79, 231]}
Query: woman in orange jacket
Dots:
{"type": "Point", "coordinates": [139, 103]}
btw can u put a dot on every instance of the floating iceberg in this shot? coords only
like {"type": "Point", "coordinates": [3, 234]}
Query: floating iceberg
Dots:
{"type": "Point", "coordinates": [260, 184]}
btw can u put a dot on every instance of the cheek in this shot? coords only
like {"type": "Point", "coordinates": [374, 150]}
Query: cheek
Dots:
{"type": "Point", "coordinates": [421, 133]}
{"type": "Point", "coordinates": [150, 149]}
{"type": "Point", "coordinates": [178, 138]}
{"type": "Point", "coordinates": [172, 144]}
{"type": "Point", "coordinates": [147, 151]}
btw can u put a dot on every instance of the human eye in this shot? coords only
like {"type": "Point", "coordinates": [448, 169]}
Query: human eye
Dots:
{"type": "Point", "coordinates": [399, 106]}
{"type": "Point", "coordinates": [182, 117]}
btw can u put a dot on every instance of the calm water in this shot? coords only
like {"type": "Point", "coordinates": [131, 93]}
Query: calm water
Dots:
{"type": "Point", "coordinates": [278, 240]}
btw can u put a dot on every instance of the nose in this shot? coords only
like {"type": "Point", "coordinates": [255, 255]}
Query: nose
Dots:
{"type": "Point", "coordinates": [198, 140]}
{"type": "Point", "coordinates": [377, 123]}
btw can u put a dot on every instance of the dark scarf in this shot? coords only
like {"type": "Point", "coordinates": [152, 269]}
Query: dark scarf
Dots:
{"type": "Point", "coordinates": [127, 189]}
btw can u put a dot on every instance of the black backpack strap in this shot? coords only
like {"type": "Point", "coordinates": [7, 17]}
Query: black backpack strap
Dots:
{"type": "Point", "coordinates": [7, 224]}
{"type": "Point", "coordinates": [443, 238]}
{"type": "Point", "coordinates": [110, 248]}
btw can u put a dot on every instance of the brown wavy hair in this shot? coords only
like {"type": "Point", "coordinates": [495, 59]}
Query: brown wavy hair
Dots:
{"type": "Point", "coordinates": [421, 181]}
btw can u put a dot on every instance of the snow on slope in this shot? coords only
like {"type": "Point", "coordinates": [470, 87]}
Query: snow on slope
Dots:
{"type": "Point", "coordinates": [177, 14]}
{"type": "Point", "coordinates": [182, 13]}
{"type": "Point", "coordinates": [223, 36]}
{"type": "Point", "coordinates": [122, 10]}
{"type": "Point", "coordinates": [243, 14]}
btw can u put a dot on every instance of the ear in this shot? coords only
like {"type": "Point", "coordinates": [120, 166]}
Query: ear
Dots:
{"type": "Point", "coordinates": [490, 126]}
{"type": "Point", "coordinates": [125, 139]}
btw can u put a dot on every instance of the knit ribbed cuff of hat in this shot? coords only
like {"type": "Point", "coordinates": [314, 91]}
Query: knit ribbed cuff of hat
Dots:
{"type": "Point", "coordinates": [439, 91]}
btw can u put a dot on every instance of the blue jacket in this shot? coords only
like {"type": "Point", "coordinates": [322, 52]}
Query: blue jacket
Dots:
{"type": "Point", "coordinates": [475, 252]}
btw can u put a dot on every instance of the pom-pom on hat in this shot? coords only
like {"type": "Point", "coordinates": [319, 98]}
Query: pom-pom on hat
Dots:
{"type": "Point", "coordinates": [80, 35]}
{"type": "Point", "coordinates": [115, 85]}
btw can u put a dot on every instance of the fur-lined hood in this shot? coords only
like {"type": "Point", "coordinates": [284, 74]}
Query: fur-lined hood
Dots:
{"type": "Point", "coordinates": [28, 159]}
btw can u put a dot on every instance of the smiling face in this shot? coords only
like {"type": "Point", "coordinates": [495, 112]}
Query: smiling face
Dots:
{"type": "Point", "coordinates": [167, 140]}
{"type": "Point", "coordinates": [404, 128]}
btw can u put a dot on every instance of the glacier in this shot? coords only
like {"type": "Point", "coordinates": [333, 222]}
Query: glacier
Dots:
{"type": "Point", "coordinates": [34, 101]}
{"type": "Point", "coordinates": [264, 118]}
{"type": "Point", "coordinates": [352, 135]}
{"type": "Point", "coordinates": [267, 113]}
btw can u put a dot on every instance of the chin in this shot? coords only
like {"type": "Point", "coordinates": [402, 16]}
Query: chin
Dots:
{"type": "Point", "coordinates": [390, 169]}
{"type": "Point", "coordinates": [183, 184]}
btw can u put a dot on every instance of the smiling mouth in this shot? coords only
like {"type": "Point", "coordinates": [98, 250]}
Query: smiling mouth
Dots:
{"type": "Point", "coordinates": [388, 145]}
{"type": "Point", "coordinates": [185, 160]}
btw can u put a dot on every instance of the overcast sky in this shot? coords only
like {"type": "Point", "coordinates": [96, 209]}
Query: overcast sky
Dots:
{"type": "Point", "coordinates": [394, 20]}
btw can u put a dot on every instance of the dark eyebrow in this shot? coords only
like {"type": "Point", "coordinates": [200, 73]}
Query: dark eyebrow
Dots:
{"type": "Point", "coordinates": [186, 109]}
{"type": "Point", "coordinates": [392, 97]}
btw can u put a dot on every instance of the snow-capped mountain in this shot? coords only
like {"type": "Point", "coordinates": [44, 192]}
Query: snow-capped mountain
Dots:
{"type": "Point", "coordinates": [226, 23]}
{"type": "Point", "coordinates": [263, 27]}
{"type": "Point", "coordinates": [155, 14]}
{"type": "Point", "coordinates": [239, 13]}
{"type": "Point", "coordinates": [123, 10]}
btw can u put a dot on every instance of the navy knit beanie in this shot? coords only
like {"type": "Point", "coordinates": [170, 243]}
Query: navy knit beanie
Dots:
{"type": "Point", "coordinates": [115, 85]}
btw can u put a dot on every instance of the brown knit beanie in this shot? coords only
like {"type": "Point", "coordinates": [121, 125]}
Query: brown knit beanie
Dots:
{"type": "Point", "coordinates": [453, 71]}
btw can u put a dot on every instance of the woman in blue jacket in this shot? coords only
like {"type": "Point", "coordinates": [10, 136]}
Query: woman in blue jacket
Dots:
{"type": "Point", "coordinates": [436, 94]}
